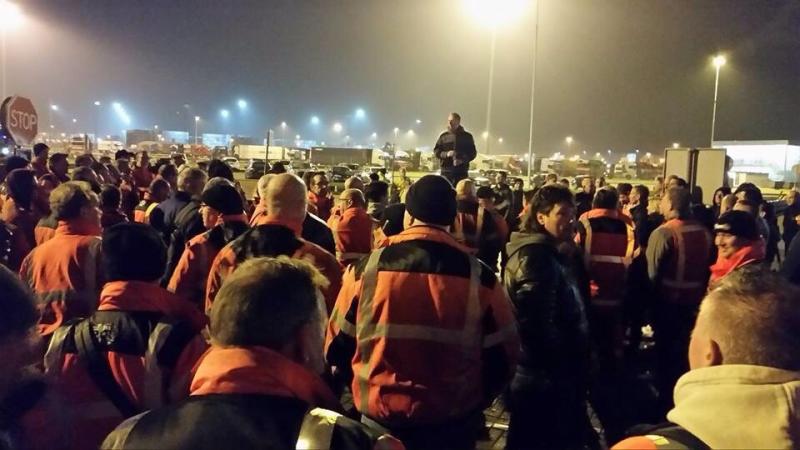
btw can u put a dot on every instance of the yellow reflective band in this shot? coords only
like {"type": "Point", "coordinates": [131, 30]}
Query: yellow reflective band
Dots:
{"type": "Point", "coordinates": [316, 432]}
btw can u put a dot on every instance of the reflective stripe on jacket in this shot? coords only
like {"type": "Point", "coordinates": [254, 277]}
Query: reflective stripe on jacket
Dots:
{"type": "Point", "coordinates": [682, 275]}
{"type": "Point", "coordinates": [429, 331]}
{"type": "Point", "coordinates": [609, 245]}
{"type": "Point", "coordinates": [271, 237]}
{"type": "Point", "coordinates": [353, 233]}
{"type": "Point", "coordinates": [150, 341]}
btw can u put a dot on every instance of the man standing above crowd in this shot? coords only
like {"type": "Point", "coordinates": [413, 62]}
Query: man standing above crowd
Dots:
{"type": "Point", "coordinates": [424, 330]}
{"type": "Point", "coordinates": [678, 259]}
{"type": "Point", "coordinates": [455, 149]}
{"type": "Point", "coordinates": [352, 227]}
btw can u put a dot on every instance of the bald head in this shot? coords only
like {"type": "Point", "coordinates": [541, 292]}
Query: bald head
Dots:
{"type": "Point", "coordinates": [285, 197]}
{"type": "Point", "coordinates": [352, 198]}
{"type": "Point", "coordinates": [465, 188]}
{"type": "Point", "coordinates": [262, 185]}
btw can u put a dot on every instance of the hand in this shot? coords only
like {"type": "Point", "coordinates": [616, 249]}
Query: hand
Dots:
{"type": "Point", "coordinates": [450, 154]}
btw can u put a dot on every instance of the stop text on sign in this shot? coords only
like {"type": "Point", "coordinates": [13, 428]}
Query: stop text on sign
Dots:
{"type": "Point", "coordinates": [23, 120]}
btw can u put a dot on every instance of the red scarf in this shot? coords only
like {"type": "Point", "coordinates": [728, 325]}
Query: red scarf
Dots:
{"type": "Point", "coordinates": [745, 255]}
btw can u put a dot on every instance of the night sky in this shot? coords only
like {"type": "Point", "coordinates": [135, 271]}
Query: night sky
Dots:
{"type": "Point", "coordinates": [617, 74]}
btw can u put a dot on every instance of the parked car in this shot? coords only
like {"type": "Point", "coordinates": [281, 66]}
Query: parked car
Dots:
{"type": "Point", "coordinates": [339, 174]}
{"type": "Point", "coordinates": [255, 169]}
{"type": "Point", "coordinates": [233, 163]}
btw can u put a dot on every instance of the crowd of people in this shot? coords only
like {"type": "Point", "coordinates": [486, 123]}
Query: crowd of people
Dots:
{"type": "Point", "coordinates": [159, 307]}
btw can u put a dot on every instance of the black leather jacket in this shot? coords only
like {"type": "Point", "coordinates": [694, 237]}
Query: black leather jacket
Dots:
{"type": "Point", "coordinates": [464, 146]}
{"type": "Point", "coordinates": [550, 312]}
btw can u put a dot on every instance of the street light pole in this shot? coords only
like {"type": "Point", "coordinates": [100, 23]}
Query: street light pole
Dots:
{"type": "Point", "coordinates": [491, 82]}
{"type": "Point", "coordinates": [533, 87]}
{"type": "Point", "coordinates": [719, 61]}
{"type": "Point", "coordinates": [196, 125]}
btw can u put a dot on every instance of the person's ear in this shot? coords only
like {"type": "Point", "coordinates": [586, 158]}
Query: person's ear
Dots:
{"type": "Point", "coordinates": [540, 218]}
{"type": "Point", "coordinates": [713, 354]}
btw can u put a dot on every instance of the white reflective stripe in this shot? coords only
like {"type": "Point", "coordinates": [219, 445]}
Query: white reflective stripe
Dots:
{"type": "Point", "coordinates": [102, 409]}
{"type": "Point", "coordinates": [587, 246]}
{"type": "Point", "coordinates": [680, 284]}
{"type": "Point", "coordinates": [54, 358]}
{"type": "Point", "coordinates": [316, 432]}
{"type": "Point", "coordinates": [607, 259]}
{"type": "Point", "coordinates": [500, 336]}
{"type": "Point", "coordinates": [364, 326]}
{"type": "Point", "coordinates": [479, 225]}
{"type": "Point", "coordinates": [472, 336]}
{"type": "Point", "coordinates": [350, 255]}
{"type": "Point", "coordinates": [153, 382]}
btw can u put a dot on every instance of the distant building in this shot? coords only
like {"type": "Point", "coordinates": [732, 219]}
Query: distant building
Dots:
{"type": "Point", "coordinates": [775, 160]}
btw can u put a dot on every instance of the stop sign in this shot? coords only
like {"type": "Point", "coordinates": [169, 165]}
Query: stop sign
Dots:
{"type": "Point", "coordinates": [19, 119]}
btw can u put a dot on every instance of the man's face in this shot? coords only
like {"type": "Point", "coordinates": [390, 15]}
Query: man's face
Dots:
{"type": "Point", "coordinates": [60, 166]}
{"type": "Point", "coordinates": [635, 197]}
{"type": "Point", "coordinates": [210, 216]}
{"type": "Point", "coordinates": [319, 185]}
{"type": "Point", "coordinates": [624, 199]}
{"type": "Point", "coordinates": [673, 182]}
{"type": "Point", "coordinates": [558, 222]}
{"type": "Point", "coordinates": [728, 244]}
{"type": "Point", "coordinates": [91, 214]}
{"type": "Point", "coordinates": [587, 184]}
{"type": "Point", "coordinates": [453, 122]}
{"type": "Point", "coordinates": [44, 155]}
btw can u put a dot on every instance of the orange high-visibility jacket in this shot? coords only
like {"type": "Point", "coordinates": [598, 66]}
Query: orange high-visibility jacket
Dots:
{"type": "Point", "coordinates": [190, 275]}
{"type": "Point", "coordinates": [678, 259]}
{"type": "Point", "coordinates": [45, 229]}
{"type": "Point", "coordinates": [149, 342]}
{"type": "Point", "coordinates": [65, 274]}
{"type": "Point", "coordinates": [272, 237]}
{"type": "Point", "coordinates": [320, 206]}
{"type": "Point", "coordinates": [609, 246]}
{"type": "Point", "coordinates": [353, 233]}
{"type": "Point", "coordinates": [426, 328]}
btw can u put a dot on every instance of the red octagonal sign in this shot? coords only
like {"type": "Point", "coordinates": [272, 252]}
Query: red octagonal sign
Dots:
{"type": "Point", "coordinates": [19, 119]}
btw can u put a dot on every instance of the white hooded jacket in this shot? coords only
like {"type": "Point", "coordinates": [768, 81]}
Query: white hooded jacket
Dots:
{"type": "Point", "coordinates": [740, 406]}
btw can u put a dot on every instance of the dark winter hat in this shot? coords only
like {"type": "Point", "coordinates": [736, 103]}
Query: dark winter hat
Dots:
{"type": "Point", "coordinates": [432, 199]}
{"type": "Point", "coordinates": [133, 251]}
{"type": "Point", "coordinates": [224, 198]}
{"type": "Point", "coordinates": [485, 192]}
{"type": "Point", "coordinates": [737, 223]}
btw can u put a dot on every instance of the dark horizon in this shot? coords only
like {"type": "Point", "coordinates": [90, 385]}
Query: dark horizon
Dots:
{"type": "Point", "coordinates": [619, 74]}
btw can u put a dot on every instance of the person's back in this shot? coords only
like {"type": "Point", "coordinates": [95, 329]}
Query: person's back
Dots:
{"type": "Point", "coordinates": [474, 226]}
{"type": "Point", "coordinates": [432, 340]}
{"type": "Point", "coordinates": [352, 227]}
{"type": "Point", "coordinates": [65, 272]}
{"type": "Point", "coordinates": [743, 384]}
{"type": "Point", "coordinates": [136, 351]}
{"type": "Point", "coordinates": [277, 233]}
{"type": "Point", "coordinates": [259, 385]}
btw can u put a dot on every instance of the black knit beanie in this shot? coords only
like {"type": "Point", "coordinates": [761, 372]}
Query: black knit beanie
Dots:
{"type": "Point", "coordinates": [432, 199]}
{"type": "Point", "coordinates": [224, 198]}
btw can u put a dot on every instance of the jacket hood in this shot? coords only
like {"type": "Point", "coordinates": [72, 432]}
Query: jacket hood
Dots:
{"type": "Point", "coordinates": [519, 240]}
{"type": "Point", "coordinates": [739, 406]}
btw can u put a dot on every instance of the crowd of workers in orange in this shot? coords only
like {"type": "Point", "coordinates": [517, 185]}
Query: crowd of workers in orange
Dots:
{"type": "Point", "coordinates": [160, 308]}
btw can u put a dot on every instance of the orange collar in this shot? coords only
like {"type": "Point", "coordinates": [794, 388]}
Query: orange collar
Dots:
{"type": "Point", "coordinates": [602, 212]}
{"type": "Point", "coordinates": [427, 233]}
{"type": "Point", "coordinates": [144, 296]}
{"type": "Point", "coordinates": [273, 220]}
{"type": "Point", "coordinates": [259, 370]}
{"type": "Point", "coordinates": [76, 228]}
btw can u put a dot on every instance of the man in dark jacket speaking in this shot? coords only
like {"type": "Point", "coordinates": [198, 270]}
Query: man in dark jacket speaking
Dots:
{"type": "Point", "coordinates": [455, 148]}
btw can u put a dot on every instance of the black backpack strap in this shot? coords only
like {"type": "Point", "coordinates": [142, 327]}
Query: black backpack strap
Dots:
{"type": "Point", "coordinates": [99, 370]}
